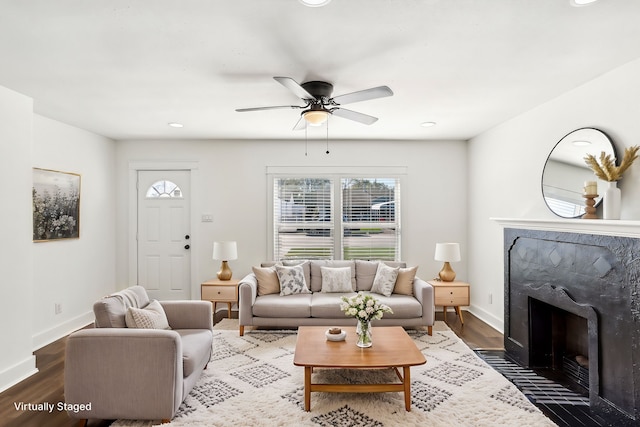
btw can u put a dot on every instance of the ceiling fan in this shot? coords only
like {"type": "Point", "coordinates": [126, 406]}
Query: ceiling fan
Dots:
{"type": "Point", "coordinates": [318, 103]}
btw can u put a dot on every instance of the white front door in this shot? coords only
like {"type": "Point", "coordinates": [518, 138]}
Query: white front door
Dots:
{"type": "Point", "coordinates": [163, 238]}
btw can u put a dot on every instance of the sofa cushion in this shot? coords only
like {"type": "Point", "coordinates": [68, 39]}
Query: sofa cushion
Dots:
{"type": "Point", "coordinates": [365, 273]}
{"type": "Point", "coordinates": [110, 311]}
{"type": "Point", "coordinates": [327, 305]}
{"type": "Point", "coordinates": [306, 266]}
{"type": "Point", "coordinates": [292, 280]}
{"type": "Point", "coordinates": [316, 272]}
{"type": "Point", "coordinates": [404, 282]}
{"type": "Point", "coordinates": [403, 306]}
{"type": "Point", "coordinates": [150, 317]}
{"type": "Point", "coordinates": [267, 278]}
{"type": "Point", "coordinates": [196, 349]}
{"type": "Point", "coordinates": [336, 279]}
{"type": "Point", "coordinates": [297, 305]}
{"type": "Point", "coordinates": [385, 279]}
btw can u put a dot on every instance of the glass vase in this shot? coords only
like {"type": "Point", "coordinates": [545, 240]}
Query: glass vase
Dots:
{"type": "Point", "coordinates": [363, 332]}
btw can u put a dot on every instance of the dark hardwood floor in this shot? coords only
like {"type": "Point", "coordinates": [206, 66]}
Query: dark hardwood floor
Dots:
{"type": "Point", "coordinates": [47, 384]}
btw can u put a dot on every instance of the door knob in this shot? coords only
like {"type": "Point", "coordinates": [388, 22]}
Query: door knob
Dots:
{"type": "Point", "coordinates": [187, 246]}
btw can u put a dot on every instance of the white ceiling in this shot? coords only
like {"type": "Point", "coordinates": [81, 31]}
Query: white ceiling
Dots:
{"type": "Point", "coordinates": [125, 68]}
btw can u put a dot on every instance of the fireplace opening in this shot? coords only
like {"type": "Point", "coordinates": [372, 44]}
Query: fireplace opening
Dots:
{"type": "Point", "coordinates": [559, 344]}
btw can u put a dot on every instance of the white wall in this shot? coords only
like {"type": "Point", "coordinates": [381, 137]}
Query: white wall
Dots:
{"type": "Point", "coordinates": [35, 276]}
{"type": "Point", "coordinates": [506, 168]}
{"type": "Point", "coordinates": [16, 288]}
{"type": "Point", "coordinates": [231, 184]}
{"type": "Point", "coordinates": [75, 273]}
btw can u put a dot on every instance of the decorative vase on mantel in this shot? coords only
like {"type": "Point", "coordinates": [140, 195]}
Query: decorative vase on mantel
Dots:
{"type": "Point", "coordinates": [363, 332]}
{"type": "Point", "coordinates": [611, 201]}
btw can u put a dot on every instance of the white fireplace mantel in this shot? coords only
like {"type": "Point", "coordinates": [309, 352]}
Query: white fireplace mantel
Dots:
{"type": "Point", "coordinates": [585, 226]}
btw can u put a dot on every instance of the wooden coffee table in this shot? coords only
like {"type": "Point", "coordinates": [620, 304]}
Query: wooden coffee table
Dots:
{"type": "Point", "coordinates": [392, 348]}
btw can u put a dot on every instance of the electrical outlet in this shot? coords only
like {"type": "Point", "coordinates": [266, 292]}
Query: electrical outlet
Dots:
{"type": "Point", "coordinates": [58, 308]}
{"type": "Point", "coordinates": [490, 298]}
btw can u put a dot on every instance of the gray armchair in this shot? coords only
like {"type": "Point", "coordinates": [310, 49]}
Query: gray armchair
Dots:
{"type": "Point", "coordinates": [115, 372]}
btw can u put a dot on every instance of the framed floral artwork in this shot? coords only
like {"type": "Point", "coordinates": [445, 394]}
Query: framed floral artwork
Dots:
{"type": "Point", "coordinates": [56, 205]}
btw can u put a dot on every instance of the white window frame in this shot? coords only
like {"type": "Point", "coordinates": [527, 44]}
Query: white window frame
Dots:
{"type": "Point", "coordinates": [335, 174]}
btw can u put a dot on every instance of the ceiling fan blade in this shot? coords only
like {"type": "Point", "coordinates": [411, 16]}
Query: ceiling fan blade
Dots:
{"type": "Point", "coordinates": [363, 95]}
{"type": "Point", "coordinates": [276, 107]}
{"type": "Point", "coordinates": [300, 124]}
{"type": "Point", "coordinates": [354, 115]}
{"type": "Point", "coordinates": [294, 87]}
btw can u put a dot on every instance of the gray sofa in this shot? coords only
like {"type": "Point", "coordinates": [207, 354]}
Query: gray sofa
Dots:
{"type": "Point", "coordinates": [323, 308]}
{"type": "Point", "coordinates": [131, 373]}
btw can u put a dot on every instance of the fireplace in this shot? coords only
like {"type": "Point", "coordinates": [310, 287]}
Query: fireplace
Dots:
{"type": "Point", "coordinates": [572, 305]}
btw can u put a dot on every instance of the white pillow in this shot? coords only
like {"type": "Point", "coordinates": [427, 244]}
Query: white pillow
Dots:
{"type": "Point", "coordinates": [292, 280]}
{"type": "Point", "coordinates": [385, 280]}
{"type": "Point", "coordinates": [150, 317]}
{"type": "Point", "coordinates": [336, 279]}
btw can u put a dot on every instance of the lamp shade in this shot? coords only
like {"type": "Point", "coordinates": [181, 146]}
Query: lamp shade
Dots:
{"type": "Point", "coordinates": [447, 252]}
{"type": "Point", "coordinates": [225, 251]}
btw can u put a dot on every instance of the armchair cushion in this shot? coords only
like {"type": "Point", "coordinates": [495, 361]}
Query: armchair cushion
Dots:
{"type": "Point", "coordinates": [150, 317]}
{"type": "Point", "coordinates": [111, 310]}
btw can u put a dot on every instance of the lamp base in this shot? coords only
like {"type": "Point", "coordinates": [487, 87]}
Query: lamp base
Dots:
{"type": "Point", "coordinates": [447, 274]}
{"type": "Point", "coordinates": [225, 272]}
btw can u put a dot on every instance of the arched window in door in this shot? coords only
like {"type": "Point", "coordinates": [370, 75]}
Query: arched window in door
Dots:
{"type": "Point", "coordinates": [164, 189]}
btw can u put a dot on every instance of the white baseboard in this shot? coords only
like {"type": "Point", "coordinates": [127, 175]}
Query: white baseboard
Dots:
{"type": "Point", "coordinates": [488, 318]}
{"type": "Point", "coordinates": [63, 329]}
{"type": "Point", "coordinates": [18, 372]}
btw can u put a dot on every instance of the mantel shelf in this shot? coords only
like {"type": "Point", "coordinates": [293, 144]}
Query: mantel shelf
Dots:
{"type": "Point", "coordinates": [624, 228]}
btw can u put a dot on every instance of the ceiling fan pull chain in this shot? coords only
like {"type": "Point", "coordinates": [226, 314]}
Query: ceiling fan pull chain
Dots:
{"type": "Point", "coordinates": [327, 135]}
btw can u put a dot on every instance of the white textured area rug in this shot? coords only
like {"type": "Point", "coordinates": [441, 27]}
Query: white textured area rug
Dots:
{"type": "Point", "coordinates": [251, 381]}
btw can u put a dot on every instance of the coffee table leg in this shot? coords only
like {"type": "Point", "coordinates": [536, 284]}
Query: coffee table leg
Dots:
{"type": "Point", "coordinates": [407, 388]}
{"type": "Point", "coordinates": [307, 388]}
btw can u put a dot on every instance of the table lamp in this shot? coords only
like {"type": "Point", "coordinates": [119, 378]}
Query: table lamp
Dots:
{"type": "Point", "coordinates": [225, 251]}
{"type": "Point", "coordinates": [447, 252]}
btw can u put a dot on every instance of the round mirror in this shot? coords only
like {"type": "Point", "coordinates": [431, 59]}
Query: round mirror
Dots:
{"type": "Point", "coordinates": [565, 172]}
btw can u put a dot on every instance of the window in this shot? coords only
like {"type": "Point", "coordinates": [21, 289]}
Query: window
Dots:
{"type": "Point", "coordinates": [164, 189]}
{"type": "Point", "coordinates": [336, 217]}
{"type": "Point", "coordinates": [370, 229]}
{"type": "Point", "coordinates": [303, 218]}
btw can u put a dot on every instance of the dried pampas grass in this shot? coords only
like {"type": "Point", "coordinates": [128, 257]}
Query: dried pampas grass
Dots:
{"type": "Point", "coordinates": [606, 169]}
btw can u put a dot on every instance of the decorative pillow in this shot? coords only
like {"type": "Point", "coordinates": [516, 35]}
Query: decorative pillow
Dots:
{"type": "Point", "coordinates": [385, 280]}
{"type": "Point", "coordinates": [336, 279]}
{"type": "Point", "coordinates": [292, 280]}
{"type": "Point", "coordinates": [404, 282]}
{"type": "Point", "coordinates": [150, 317]}
{"type": "Point", "coordinates": [268, 282]}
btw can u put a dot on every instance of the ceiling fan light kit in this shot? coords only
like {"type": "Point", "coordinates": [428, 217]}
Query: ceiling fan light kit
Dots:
{"type": "Point", "coordinates": [315, 3]}
{"type": "Point", "coordinates": [316, 117]}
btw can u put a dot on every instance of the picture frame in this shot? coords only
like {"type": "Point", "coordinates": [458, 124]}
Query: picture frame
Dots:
{"type": "Point", "coordinates": [56, 205]}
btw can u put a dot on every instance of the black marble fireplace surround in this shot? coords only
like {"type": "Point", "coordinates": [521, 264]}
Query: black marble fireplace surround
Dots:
{"type": "Point", "coordinates": [596, 280]}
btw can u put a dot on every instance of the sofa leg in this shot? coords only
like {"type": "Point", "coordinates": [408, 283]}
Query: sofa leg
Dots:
{"type": "Point", "coordinates": [82, 422]}
{"type": "Point", "coordinates": [241, 330]}
{"type": "Point", "coordinates": [165, 421]}
{"type": "Point", "coordinates": [430, 330]}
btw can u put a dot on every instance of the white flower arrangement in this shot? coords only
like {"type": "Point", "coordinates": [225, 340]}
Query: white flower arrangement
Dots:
{"type": "Point", "coordinates": [364, 307]}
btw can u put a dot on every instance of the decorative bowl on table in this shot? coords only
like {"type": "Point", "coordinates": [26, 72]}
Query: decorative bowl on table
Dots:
{"type": "Point", "coordinates": [335, 334]}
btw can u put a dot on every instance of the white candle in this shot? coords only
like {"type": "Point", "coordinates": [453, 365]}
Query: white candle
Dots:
{"type": "Point", "coordinates": [590, 187]}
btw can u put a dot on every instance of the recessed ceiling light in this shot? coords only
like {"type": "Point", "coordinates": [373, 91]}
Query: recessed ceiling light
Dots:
{"type": "Point", "coordinates": [176, 125]}
{"type": "Point", "coordinates": [578, 3]}
{"type": "Point", "coordinates": [427, 124]}
{"type": "Point", "coordinates": [315, 3]}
